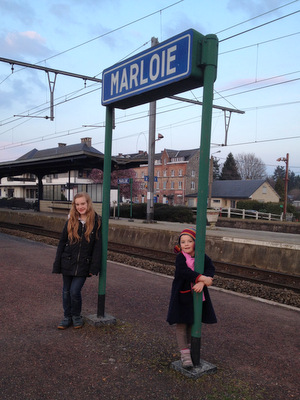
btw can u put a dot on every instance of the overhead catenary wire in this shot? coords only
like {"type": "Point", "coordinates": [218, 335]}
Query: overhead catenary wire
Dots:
{"type": "Point", "coordinates": [248, 83]}
{"type": "Point", "coordinates": [257, 16]}
{"type": "Point", "coordinates": [109, 32]}
{"type": "Point", "coordinates": [146, 115]}
{"type": "Point", "coordinates": [259, 26]}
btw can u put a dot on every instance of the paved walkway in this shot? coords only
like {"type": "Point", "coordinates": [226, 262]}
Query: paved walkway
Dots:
{"type": "Point", "coordinates": [254, 345]}
{"type": "Point", "coordinates": [278, 237]}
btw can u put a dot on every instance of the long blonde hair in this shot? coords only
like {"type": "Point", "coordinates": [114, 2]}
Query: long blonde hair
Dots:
{"type": "Point", "coordinates": [73, 223]}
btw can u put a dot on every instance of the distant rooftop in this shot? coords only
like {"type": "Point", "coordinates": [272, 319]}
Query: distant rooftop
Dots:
{"type": "Point", "coordinates": [236, 188]}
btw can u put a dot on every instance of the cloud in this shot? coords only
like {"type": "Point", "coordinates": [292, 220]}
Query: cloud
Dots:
{"type": "Point", "coordinates": [28, 43]}
{"type": "Point", "coordinates": [254, 7]}
{"type": "Point", "coordinates": [18, 93]}
{"type": "Point", "coordinates": [62, 11]}
{"type": "Point", "coordinates": [18, 10]}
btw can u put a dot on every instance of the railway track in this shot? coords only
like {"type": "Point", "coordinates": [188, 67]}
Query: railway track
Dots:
{"type": "Point", "coordinates": [231, 271]}
{"type": "Point", "coordinates": [227, 270]}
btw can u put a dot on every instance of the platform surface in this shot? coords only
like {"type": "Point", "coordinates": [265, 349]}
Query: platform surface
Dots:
{"type": "Point", "coordinates": [254, 345]}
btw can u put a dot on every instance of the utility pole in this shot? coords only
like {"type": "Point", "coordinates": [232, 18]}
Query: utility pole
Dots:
{"type": "Point", "coordinates": [210, 180]}
{"type": "Point", "coordinates": [286, 160]}
{"type": "Point", "coordinates": [211, 177]}
{"type": "Point", "coordinates": [151, 153]}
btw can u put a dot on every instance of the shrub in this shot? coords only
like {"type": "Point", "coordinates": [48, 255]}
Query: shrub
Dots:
{"type": "Point", "coordinates": [162, 212]}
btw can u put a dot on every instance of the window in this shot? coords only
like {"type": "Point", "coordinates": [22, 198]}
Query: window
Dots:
{"type": "Point", "coordinates": [143, 174]}
{"type": "Point", "coordinates": [180, 172]}
{"type": "Point", "coordinates": [158, 174]}
{"type": "Point", "coordinates": [172, 185]}
{"type": "Point", "coordinates": [157, 185]}
{"type": "Point", "coordinates": [165, 173]}
{"type": "Point", "coordinates": [193, 185]}
{"type": "Point", "coordinates": [264, 189]}
{"type": "Point", "coordinates": [172, 172]}
{"type": "Point", "coordinates": [193, 173]}
{"type": "Point", "coordinates": [177, 159]}
{"type": "Point", "coordinates": [180, 185]}
{"type": "Point", "coordinates": [31, 193]}
{"type": "Point", "coordinates": [165, 184]}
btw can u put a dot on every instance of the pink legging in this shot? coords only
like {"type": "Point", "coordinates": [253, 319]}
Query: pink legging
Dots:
{"type": "Point", "coordinates": [183, 335]}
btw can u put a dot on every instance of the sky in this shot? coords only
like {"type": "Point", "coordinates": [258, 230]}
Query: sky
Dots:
{"type": "Point", "coordinates": [258, 73]}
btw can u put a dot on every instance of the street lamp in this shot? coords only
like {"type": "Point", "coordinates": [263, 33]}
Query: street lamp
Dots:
{"type": "Point", "coordinates": [286, 160]}
{"type": "Point", "coordinates": [211, 177]}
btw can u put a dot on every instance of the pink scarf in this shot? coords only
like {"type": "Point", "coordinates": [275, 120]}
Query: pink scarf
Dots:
{"type": "Point", "coordinates": [190, 262]}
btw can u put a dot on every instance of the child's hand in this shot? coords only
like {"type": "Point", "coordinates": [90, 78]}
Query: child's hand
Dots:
{"type": "Point", "coordinates": [207, 280]}
{"type": "Point", "coordinates": [198, 287]}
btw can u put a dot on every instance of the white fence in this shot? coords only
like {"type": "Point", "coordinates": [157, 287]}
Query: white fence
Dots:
{"type": "Point", "coordinates": [239, 213]}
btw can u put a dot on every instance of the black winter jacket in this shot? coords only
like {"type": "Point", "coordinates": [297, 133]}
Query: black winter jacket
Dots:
{"type": "Point", "coordinates": [181, 307]}
{"type": "Point", "coordinates": [81, 258]}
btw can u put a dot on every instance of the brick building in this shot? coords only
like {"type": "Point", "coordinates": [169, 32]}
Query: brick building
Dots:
{"type": "Point", "coordinates": [176, 175]}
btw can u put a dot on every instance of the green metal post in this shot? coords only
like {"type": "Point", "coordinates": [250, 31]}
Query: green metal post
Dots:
{"type": "Point", "coordinates": [105, 210]}
{"type": "Point", "coordinates": [209, 62]}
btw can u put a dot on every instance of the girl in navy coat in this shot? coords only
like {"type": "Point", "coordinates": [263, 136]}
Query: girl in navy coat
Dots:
{"type": "Point", "coordinates": [78, 256]}
{"type": "Point", "coordinates": [186, 280]}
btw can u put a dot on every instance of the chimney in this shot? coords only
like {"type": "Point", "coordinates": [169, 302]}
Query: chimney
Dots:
{"type": "Point", "coordinates": [62, 144]}
{"type": "Point", "coordinates": [87, 141]}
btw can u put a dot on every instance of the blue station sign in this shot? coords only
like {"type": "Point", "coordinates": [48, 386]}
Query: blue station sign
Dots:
{"type": "Point", "coordinates": [170, 67]}
{"type": "Point", "coordinates": [122, 181]}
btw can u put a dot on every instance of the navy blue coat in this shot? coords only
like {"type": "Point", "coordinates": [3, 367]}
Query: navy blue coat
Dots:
{"type": "Point", "coordinates": [81, 258]}
{"type": "Point", "coordinates": [181, 307]}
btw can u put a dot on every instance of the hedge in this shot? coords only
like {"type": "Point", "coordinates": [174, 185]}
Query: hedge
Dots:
{"type": "Point", "coordinates": [162, 212]}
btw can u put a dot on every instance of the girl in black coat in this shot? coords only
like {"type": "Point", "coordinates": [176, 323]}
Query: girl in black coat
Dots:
{"type": "Point", "coordinates": [181, 307]}
{"type": "Point", "coordinates": [78, 256]}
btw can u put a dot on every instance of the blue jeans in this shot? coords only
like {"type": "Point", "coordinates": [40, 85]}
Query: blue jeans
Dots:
{"type": "Point", "coordinates": [72, 300]}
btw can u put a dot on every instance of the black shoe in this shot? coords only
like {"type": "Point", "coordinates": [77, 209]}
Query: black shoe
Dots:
{"type": "Point", "coordinates": [65, 323]}
{"type": "Point", "coordinates": [77, 322]}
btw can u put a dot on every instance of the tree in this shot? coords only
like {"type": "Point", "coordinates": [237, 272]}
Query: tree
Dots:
{"type": "Point", "coordinates": [279, 187]}
{"type": "Point", "coordinates": [96, 176]}
{"type": "Point", "coordinates": [294, 181]}
{"type": "Point", "coordinates": [295, 194]}
{"type": "Point", "coordinates": [250, 167]}
{"type": "Point", "coordinates": [229, 170]}
{"type": "Point", "coordinates": [279, 173]}
{"type": "Point", "coordinates": [216, 169]}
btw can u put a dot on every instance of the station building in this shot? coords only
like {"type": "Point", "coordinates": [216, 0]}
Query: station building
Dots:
{"type": "Point", "coordinates": [176, 175]}
{"type": "Point", "coordinates": [57, 174]}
